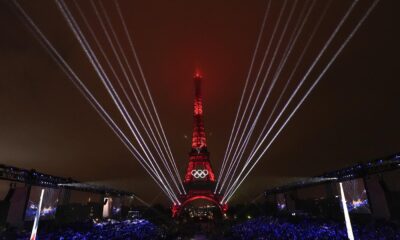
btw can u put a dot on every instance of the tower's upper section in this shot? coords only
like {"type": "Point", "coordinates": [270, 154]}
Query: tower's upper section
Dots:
{"type": "Point", "coordinates": [199, 174]}
{"type": "Point", "coordinates": [199, 135]}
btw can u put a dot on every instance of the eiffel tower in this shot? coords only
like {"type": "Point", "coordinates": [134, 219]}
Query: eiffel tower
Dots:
{"type": "Point", "coordinates": [199, 180]}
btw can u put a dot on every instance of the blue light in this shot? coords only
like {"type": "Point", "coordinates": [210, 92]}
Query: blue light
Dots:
{"type": "Point", "coordinates": [110, 229]}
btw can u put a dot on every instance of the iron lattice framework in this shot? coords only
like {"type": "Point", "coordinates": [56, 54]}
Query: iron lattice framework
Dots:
{"type": "Point", "coordinates": [199, 178]}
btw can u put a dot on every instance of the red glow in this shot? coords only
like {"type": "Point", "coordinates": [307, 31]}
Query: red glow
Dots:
{"type": "Point", "coordinates": [175, 210]}
{"type": "Point", "coordinates": [199, 157]}
{"type": "Point", "coordinates": [198, 107]}
{"type": "Point", "coordinates": [197, 74]}
{"type": "Point", "coordinates": [199, 135]}
{"type": "Point", "coordinates": [211, 175]}
{"type": "Point", "coordinates": [210, 197]}
{"type": "Point", "coordinates": [199, 160]}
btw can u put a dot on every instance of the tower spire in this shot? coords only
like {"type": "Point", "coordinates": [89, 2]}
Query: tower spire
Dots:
{"type": "Point", "coordinates": [199, 135]}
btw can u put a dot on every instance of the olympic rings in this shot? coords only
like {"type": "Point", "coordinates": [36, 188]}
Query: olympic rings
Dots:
{"type": "Point", "coordinates": [199, 173]}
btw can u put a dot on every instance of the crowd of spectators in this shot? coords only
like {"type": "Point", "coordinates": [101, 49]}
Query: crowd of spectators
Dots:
{"type": "Point", "coordinates": [260, 228]}
{"type": "Point", "coordinates": [272, 228]}
{"type": "Point", "coordinates": [110, 229]}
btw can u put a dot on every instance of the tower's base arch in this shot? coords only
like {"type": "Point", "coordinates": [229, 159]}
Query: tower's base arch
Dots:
{"type": "Point", "coordinates": [186, 200]}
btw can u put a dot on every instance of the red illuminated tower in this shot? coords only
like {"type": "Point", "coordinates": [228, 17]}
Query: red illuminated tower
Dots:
{"type": "Point", "coordinates": [199, 179]}
{"type": "Point", "coordinates": [199, 173]}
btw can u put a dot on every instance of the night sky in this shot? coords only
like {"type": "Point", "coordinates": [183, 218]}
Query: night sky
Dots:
{"type": "Point", "coordinates": [45, 123]}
